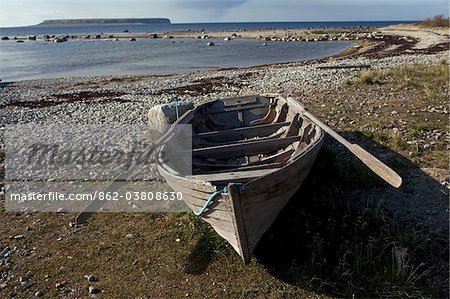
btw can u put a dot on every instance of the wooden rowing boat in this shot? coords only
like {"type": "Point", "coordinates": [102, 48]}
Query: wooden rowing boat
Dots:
{"type": "Point", "coordinates": [249, 156]}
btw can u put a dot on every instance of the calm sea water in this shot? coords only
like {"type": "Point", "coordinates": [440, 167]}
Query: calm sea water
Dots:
{"type": "Point", "coordinates": [39, 59]}
{"type": "Point", "coordinates": [29, 60]}
{"type": "Point", "coordinates": [160, 28]}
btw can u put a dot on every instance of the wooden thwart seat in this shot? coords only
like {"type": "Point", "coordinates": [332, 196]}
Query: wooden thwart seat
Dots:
{"type": "Point", "coordinates": [246, 148]}
{"type": "Point", "coordinates": [246, 132]}
{"type": "Point", "coordinates": [234, 168]}
{"type": "Point", "coordinates": [241, 108]}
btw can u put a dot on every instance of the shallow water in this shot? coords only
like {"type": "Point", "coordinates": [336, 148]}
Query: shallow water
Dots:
{"type": "Point", "coordinates": [40, 59]}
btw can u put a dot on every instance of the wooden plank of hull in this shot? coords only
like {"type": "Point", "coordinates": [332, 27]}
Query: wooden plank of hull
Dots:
{"type": "Point", "coordinates": [222, 214]}
{"type": "Point", "coordinates": [277, 189]}
{"type": "Point", "coordinates": [264, 201]}
{"type": "Point", "coordinates": [195, 199]}
{"type": "Point", "coordinates": [266, 211]}
{"type": "Point", "coordinates": [221, 220]}
{"type": "Point", "coordinates": [233, 176]}
{"type": "Point", "coordinates": [244, 132]}
{"type": "Point", "coordinates": [239, 223]}
{"type": "Point", "coordinates": [189, 187]}
{"type": "Point", "coordinates": [199, 201]}
{"type": "Point", "coordinates": [214, 214]}
{"type": "Point", "coordinates": [289, 170]}
{"type": "Point", "coordinates": [203, 186]}
{"type": "Point", "coordinates": [255, 235]}
{"type": "Point", "coordinates": [224, 227]}
{"type": "Point", "coordinates": [218, 209]}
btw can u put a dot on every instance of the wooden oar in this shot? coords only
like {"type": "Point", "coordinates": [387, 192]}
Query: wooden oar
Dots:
{"type": "Point", "coordinates": [373, 163]}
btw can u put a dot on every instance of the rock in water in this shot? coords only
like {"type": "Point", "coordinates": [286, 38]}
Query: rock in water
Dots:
{"type": "Point", "coordinates": [162, 116]}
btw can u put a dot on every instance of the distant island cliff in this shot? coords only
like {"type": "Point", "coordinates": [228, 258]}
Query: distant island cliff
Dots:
{"type": "Point", "coordinates": [122, 21]}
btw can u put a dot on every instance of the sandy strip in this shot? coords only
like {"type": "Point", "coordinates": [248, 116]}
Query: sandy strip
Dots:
{"type": "Point", "coordinates": [427, 37]}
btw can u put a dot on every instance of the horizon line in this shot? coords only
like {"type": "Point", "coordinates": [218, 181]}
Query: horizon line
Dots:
{"type": "Point", "coordinates": [225, 22]}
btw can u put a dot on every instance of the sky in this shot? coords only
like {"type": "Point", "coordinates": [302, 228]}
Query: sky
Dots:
{"type": "Point", "coordinates": [30, 12]}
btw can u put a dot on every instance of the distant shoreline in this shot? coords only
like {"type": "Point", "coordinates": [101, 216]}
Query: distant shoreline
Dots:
{"type": "Point", "coordinates": [109, 21]}
{"type": "Point", "coordinates": [244, 25]}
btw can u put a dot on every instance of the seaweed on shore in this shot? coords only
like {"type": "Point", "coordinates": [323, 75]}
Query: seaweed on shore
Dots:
{"type": "Point", "coordinates": [207, 85]}
{"type": "Point", "coordinates": [97, 97]}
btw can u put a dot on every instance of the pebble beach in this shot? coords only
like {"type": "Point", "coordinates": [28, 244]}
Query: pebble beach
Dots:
{"type": "Point", "coordinates": [126, 99]}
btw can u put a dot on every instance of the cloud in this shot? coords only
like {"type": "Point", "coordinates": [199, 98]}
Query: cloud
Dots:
{"type": "Point", "coordinates": [206, 10]}
{"type": "Point", "coordinates": [25, 12]}
{"type": "Point", "coordinates": [210, 5]}
{"type": "Point", "coordinates": [338, 10]}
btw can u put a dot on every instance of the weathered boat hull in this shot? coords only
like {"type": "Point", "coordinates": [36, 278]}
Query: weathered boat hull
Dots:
{"type": "Point", "coordinates": [254, 196]}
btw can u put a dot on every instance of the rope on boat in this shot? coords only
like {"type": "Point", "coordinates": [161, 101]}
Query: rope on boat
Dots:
{"type": "Point", "coordinates": [208, 202]}
{"type": "Point", "coordinates": [210, 199]}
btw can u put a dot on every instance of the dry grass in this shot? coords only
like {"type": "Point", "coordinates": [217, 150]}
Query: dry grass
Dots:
{"type": "Point", "coordinates": [413, 120]}
{"type": "Point", "coordinates": [437, 21]}
{"type": "Point", "coordinates": [368, 77]}
{"type": "Point", "coordinates": [150, 264]}
{"type": "Point", "coordinates": [419, 76]}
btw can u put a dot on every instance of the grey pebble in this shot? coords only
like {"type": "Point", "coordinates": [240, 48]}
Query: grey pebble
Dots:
{"type": "Point", "coordinates": [60, 285]}
{"type": "Point", "coordinates": [91, 278]}
{"type": "Point", "coordinates": [94, 290]}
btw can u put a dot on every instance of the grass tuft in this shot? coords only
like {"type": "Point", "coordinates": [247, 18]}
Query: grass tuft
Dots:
{"type": "Point", "coordinates": [410, 76]}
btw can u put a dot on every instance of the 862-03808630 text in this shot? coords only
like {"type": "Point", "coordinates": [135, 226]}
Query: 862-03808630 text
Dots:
{"type": "Point", "coordinates": [106, 196]}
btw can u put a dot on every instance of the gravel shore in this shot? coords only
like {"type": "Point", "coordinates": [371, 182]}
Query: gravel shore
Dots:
{"type": "Point", "coordinates": [87, 100]}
